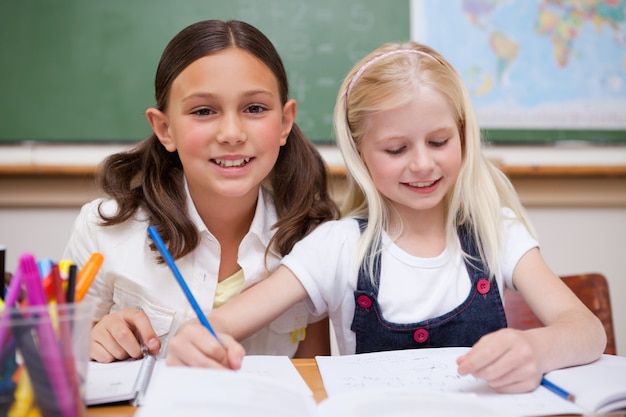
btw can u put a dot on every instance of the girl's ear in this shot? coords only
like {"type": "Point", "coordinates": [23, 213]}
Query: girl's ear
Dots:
{"type": "Point", "coordinates": [289, 117]}
{"type": "Point", "coordinates": [160, 125]}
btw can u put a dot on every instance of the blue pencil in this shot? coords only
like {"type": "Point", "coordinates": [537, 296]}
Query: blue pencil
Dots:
{"type": "Point", "coordinates": [169, 260]}
{"type": "Point", "coordinates": [557, 390]}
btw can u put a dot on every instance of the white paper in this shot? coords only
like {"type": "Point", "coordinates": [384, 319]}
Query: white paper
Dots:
{"type": "Point", "coordinates": [116, 381]}
{"type": "Point", "coordinates": [598, 387]}
{"type": "Point", "coordinates": [404, 403]}
{"type": "Point", "coordinates": [198, 392]}
{"type": "Point", "coordinates": [111, 382]}
{"type": "Point", "coordinates": [424, 371]}
{"type": "Point", "coordinates": [279, 368]}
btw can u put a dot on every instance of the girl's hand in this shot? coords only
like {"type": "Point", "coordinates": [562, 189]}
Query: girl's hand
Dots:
{"type": "Point", "coordinates": [505, 359]}
{"type": "Point", "coordinates": [194, 345]}
{"type": "Point", "coordinates": [119, 336]}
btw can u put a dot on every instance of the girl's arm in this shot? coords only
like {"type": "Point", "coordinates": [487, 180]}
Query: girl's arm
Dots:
{"type": "Point", "coordinates": [259, 305]}
{"type": "Point", "coordinates": [240, 317]}
{"type": "Point", "coordinates": [515, 360]}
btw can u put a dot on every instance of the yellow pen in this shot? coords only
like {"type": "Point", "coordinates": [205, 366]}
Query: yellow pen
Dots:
{"type": "Point", "coordinates": [34, 412]}
{"type": "Point", "coordinates": [64, 267]}
{"type": "Point", "coordinates": [24, 396]}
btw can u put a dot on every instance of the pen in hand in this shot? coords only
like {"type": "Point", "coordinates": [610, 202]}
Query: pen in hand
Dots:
{"type": "Point", "coordinates": [145, 373]}
{"type": "Point", "coordinates": [557, 390]}
{"type": "Point", "coordinates": [169, 260]}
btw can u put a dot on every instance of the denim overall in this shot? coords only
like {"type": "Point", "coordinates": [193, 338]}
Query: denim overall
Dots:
{"type": "Point", "coordinates": [482, 312]}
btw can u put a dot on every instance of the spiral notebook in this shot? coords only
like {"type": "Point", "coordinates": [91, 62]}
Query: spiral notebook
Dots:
{"type": "Point", "coordinates": [129, 381]}
{"type": "Point", "coordinates": [123, 381]}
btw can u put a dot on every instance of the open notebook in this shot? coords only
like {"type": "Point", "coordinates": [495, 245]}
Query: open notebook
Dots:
{"type": "Point", "coordinates": [129, 381]}
{"type": "Point", "coordinates": [393, 384]}
{"type": "Point", "coordinates": [123, 381]}
{"type": "Point", "coordinates": [194, 392]}
{"type": "Point", "coordinates": [597, 387]}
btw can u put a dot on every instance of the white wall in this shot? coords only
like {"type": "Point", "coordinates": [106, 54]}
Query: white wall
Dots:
{"type": "Point", "coordinates": [577, 241]}
{"type": "Point", "coordinates": [42, 232]}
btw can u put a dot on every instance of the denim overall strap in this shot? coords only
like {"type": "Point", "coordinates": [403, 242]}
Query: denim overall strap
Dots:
{"type": "Point", "coordinates": [480, 313]}
{"type": "Point", "coordinates": [364, 277]}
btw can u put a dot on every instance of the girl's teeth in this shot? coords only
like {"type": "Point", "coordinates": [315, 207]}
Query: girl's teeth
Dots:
{"type": "Point", "coordinates": [421, 184]}
{"type": "Point", "coordinates": [227, 163]}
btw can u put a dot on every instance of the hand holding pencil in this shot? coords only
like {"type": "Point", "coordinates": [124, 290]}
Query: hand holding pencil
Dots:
{"type": "Point", "coordinates": [194, 346]}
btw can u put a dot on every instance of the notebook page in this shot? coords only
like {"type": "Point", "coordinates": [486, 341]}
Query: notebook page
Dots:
{"type": "Point", "coordinates": [199, 392]}
{"type": "Point", "coordinates": [430, 371]}
{"type": "Point", "coordinates": [278, 368]}
{"type": "Point", "coordinates": [111, 382]}
{"type": "Point", "coordinates": [599, 386]}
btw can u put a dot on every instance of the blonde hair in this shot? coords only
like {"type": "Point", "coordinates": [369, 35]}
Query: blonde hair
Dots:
{"type": "Point", "coordinates": [384, 80]}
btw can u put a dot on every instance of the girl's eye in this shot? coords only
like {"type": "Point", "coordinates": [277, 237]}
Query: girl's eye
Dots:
{"type": "Point", "coordinates": [255, 109]}
{"type": "Point", "coordinates": [397, 151]}
{"type": "Point", "coordinates": [205, 111]}
{"type": "Point", "coordinates": [439, 143]}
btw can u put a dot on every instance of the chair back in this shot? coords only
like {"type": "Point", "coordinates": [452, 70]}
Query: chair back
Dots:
{"type": "Point", "coordinates": [593, 291]}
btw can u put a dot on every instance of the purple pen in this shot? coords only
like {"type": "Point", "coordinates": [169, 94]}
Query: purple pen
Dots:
{"type": "Point", "coordinates": [48, 345]}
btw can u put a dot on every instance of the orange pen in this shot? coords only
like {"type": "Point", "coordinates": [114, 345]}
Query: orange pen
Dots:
{"type": "Point", "coordinates": [87, 275]}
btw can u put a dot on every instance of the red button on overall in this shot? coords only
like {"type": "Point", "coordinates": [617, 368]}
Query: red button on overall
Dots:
{"type": "Point", "coordinates": [364, 301]}
{"type": "Point", "coordinates": [483, 286]}
{"type": "Point", "coordinates": [420, 335]}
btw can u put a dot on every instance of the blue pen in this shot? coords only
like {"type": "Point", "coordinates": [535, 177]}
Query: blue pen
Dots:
{"type": "Point", "coordinates": [44, 266]}
{"type": "Point", "coordinates": [557, 390]}
{"type": "Point", "coordinates": [169, 260]}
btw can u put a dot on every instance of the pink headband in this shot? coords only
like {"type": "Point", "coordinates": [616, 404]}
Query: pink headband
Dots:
{"type": "Point", "coordinates": [378, 58]}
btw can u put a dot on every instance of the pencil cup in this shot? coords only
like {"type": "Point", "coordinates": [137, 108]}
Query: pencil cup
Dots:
{"type": "Point", "coordinates": [43, 367]}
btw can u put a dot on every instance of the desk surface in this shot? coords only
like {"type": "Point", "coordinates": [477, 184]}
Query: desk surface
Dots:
{"type": "Point", "coordinates": [307, 368]}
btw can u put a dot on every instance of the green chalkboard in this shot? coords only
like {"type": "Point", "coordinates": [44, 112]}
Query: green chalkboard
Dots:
{"type": "Point", "coordinates": [83, 70]}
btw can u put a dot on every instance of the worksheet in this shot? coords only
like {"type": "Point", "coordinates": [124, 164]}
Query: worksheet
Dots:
{"type": "Point", "coordinates": [596, 387]}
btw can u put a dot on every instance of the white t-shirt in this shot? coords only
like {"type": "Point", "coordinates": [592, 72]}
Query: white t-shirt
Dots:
{"type": "Point", "coordinates": [130, 276]}
{"type": "Point", "coordinates": [412, 289]}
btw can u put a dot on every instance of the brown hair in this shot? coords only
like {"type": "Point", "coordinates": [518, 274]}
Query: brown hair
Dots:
{"type": "Point", "coordinates": [150, 178]}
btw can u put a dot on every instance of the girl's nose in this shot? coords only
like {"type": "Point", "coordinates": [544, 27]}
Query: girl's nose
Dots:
{"type": "Point", "coordinates": [231, 130]}
{"type": "Point", "coordinates": [421, 160]}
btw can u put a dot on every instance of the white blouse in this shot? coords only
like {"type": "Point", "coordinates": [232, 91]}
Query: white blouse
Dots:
{"type": "Point", "coordinates": [130, 277]}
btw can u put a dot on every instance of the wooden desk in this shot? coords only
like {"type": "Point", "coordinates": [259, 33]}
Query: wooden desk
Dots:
{"type": "Point", "coordinates": [311, 374]}
{"type": "Point", "coordinates": [307, 368]}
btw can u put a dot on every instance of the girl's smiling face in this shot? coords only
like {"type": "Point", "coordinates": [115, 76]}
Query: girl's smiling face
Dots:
{"type": "Point", "coordinates": [225, 118]}
{"type": "Point", "coordinates": [413, 153]}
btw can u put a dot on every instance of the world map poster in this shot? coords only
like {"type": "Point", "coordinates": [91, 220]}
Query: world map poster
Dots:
{"type": "Point", "coordinates": [534, 64]}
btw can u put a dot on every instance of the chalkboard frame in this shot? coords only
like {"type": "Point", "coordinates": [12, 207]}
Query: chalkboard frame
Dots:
{"type": "Point", "coordinates": [553, 136]}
